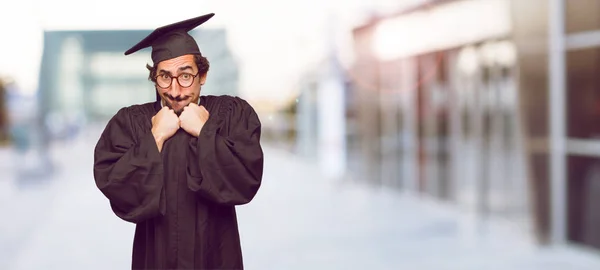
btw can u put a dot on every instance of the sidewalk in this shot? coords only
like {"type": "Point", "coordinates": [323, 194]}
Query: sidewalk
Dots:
{"type": "Point", "coordinates": [312, 223]}
{"type": "Point", "coordinates": [23, 203]}
{"type": "Point", "coordinates": [298, 220]}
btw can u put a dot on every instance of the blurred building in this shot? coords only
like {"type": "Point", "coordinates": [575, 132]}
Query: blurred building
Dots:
{"type": "Point", "coordinates": [85, 74]}
{"type": "Point", "coordinates": [324, 127]}
{"type": "Point", "coordinates": [439, 110]}
{"type": "Point", "coordinates": [463, 101]}
{"type": "Point", "coordinates": [4, 125]}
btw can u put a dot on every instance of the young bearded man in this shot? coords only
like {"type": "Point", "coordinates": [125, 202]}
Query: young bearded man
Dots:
{"type": "Point", "coordinates": [177, 167]}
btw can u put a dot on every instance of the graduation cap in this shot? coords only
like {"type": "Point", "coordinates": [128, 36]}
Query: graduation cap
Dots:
{"type": "Point", "coordinates": [172, 40]}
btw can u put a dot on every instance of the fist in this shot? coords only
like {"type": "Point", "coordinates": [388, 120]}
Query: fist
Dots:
{"type": "Point", "coordinates": [164, 124]}
{"type": "Point", "coordinates": [193, 118]}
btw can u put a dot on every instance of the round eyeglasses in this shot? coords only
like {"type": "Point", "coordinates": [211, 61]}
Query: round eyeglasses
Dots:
{"type": "Point", "coordinates": [185, 80]}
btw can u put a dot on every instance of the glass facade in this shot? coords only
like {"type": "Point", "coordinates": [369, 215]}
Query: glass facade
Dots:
{"type": "Point", "coordinates": [583, 195]}
{"type": "Point", "coordinates": [445, 124]}
{"type": "Point", "coordinates": [583, 99]}
{"type": "Point", "coordinates": [582, 15]}
{"type": "Point", "coordinates": [470, 124]}
{"type": "Point", "coordinates": [582, 23]}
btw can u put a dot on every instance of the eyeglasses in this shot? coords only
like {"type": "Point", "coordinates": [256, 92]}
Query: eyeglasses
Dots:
{"type": "Point", "coordinates": [185, 80]}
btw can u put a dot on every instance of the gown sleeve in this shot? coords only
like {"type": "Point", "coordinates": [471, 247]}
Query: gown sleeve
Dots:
{"type": "Point", "coordinates": [129, 171]}
{"type": "Point", "coordinates": [225, 163]}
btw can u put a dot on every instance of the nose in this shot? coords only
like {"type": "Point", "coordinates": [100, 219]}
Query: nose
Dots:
{"type": "Point", "coordinates": [175, 89]}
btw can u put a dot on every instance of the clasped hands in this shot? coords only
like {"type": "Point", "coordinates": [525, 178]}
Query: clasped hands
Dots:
{"type": "Point", "coordinates": [165, 123]}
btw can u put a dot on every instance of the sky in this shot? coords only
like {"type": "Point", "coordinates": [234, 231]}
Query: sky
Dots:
{"type": "Point", "coordinates": [274, 41]}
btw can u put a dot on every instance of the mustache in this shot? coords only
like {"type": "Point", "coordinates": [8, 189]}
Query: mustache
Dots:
{"type": "Point", "coordinates": [177, 98]}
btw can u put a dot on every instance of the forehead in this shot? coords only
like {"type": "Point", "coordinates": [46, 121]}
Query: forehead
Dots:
{"type": "Point", "coordinates": [177, 62]}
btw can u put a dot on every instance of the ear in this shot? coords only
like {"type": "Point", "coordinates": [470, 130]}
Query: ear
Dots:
{"type": "Point", "coordinates": [203, 78]}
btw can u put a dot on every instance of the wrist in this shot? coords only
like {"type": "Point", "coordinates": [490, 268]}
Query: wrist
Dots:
{"type": "Point", "coordinates": [199, 131]}
{"type": "Point", "coordinates": [158, 136]}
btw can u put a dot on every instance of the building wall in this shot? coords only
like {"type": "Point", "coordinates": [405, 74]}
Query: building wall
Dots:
{"type": "Point", "coordinates": [97, 79]}
{"type": "Point", "coordinates": [366, 81]}
{"type": "Point", "coordinates": [530, 35]}
{"type": "Point", "coordinates": [445, 122]}
{"type": "Point", "coordinates": [582, 90]}
{"type": "Point", "coordinates": [455, 125]}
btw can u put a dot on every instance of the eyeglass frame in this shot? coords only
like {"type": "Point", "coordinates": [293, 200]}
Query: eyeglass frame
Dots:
{"type": "Point", "coordinates": [176, 78]}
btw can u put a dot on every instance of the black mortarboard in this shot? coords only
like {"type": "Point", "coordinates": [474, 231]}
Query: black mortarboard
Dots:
{"type": "Point", "coordinates": [172, 40]}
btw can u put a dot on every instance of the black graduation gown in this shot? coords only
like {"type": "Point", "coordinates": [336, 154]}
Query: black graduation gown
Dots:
{"type": "Point", "coordinates": [183, 198]}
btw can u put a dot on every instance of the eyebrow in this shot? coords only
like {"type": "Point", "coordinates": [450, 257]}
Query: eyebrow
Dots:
{"type": "Point", "coordinates": [180, 69]}
{"type": "Point", "coordinates": [185, 67]}
{"type": "Point", "coordinates": [162, 71]}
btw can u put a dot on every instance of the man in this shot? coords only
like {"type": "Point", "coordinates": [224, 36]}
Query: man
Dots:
{"type": "Point", "coordinates": [177, 167]}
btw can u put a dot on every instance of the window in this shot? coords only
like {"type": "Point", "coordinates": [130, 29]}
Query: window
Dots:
{"type": "Point", "coordinates": [583, 93]}
{"type": "Point", "coordinates": [583, 197]}
{"type": "Point", "coordinates": [582, 15]}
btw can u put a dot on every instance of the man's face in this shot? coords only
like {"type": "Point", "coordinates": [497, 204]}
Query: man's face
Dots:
{"type": "Point", "coordinates": [175, 96]}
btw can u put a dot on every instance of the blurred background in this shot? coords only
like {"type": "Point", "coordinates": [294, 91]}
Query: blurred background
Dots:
{"type": "Point", "coordinates": [398, 134]}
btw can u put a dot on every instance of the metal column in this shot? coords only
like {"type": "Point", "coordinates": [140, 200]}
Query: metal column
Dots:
{"type": "Point", "coordinates": [557, 74]}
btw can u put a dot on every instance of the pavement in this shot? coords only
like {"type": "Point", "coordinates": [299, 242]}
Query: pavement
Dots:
{"type": "Point", "coordinates": [298, 220]}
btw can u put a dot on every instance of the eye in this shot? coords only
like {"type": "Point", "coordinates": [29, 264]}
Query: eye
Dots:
{"type": "Point", "coordinates": [186, 76]}
{"type": "Point", "coordinates": [164, 76]}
